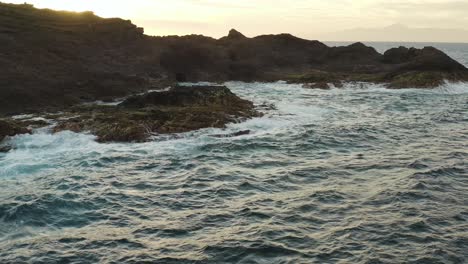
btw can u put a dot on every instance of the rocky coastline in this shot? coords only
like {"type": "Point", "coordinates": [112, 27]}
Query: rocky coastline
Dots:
{"type": "Point", "coordinates": [136, 119]}
{"type": "Point", "coordinates": [54, 61]}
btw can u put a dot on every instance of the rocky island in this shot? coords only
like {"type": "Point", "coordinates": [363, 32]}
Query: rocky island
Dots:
{"type": "Point", "coordinates": [55, 61]}
{"type": "Point", "coordinates": [180, 109]}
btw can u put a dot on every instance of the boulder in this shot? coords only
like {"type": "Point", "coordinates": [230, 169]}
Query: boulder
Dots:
{"type": "Point", "coordinates": [5, 149]}
{"type": "Point", "coordinates": [235, 134]}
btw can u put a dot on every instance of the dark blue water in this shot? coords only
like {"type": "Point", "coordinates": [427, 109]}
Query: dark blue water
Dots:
{"type": "Point", "coordinates": [355, 175]}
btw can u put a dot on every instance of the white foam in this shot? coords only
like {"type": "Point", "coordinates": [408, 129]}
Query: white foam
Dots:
{"type": "Point", "coordinates": [295, 108]}
{"type": "Point", "coordinates": [452, 88]}
{"type": "Point", "coordinates": [22, 117]}
{"type": "Point", "coordinates": [446, 88]}
{"type": "Point", "coordinates": [99, 102]}
{"type": "Point", "coordinates": [41, 151]}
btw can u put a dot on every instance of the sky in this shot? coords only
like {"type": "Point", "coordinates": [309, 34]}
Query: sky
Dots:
{"type": "Point", "coordinates": [310, 19]}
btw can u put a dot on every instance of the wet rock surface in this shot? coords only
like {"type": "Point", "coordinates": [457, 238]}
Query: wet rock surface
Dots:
{"type": "Point", "coordinates": [12, 128]}
{"type": "Point", "coordinates": [181, 109]}
{"type": "Point", "coordinates": [236, 134]}
{"type": "Point", "coordinates": [188, 96]}
{"type": "Point", "coordinates": [5, 149]}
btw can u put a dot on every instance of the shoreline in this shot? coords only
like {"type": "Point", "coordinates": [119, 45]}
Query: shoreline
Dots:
{"type": "Point", "coordinates": [70, 118]}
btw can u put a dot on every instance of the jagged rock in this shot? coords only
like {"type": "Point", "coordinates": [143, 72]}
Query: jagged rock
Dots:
{"type": "Point", "coordinates": [5, 149]}
{"type": "Point", "coordinates": [235, 35]}
{"type": "Point", "coordinates": [236, 134]}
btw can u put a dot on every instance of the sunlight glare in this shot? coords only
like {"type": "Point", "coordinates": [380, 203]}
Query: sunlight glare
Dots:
{"type": "Point", "coordinates": [101, 8]}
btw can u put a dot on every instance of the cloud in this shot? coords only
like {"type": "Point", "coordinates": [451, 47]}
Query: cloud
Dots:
{"type": "Point", "coordinates": [424, 6]}
{"type": "Point", "coordinates": [399, 32]}
{"type": "Point", "coordinates": [307, 18]}
{"type": "Point", "coordinates": [220, 4]}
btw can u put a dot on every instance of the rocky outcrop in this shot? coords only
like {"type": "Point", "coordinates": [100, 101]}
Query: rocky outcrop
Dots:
{"type": "Point", "coordinates": [190, 96]}
{"type": "Point", "coordinates": [12, 128]}
{"type": "Point", "coordinates": [234, 35]}
{"type": "Point", "coordinates": [398, 68]}
{"type": "Point", "coordinates": [421, 68]}
{"type": "Point", "coordinates": [426, 59]}
{"type": "Point", "coordinates": [180, 109]}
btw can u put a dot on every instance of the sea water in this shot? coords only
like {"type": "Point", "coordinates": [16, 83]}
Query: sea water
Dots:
{"type": "Point", "coordinates": [360, 174]}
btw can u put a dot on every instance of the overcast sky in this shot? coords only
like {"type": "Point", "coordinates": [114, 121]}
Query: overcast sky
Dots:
{"type": "Point", "coordinates": [305, 18]}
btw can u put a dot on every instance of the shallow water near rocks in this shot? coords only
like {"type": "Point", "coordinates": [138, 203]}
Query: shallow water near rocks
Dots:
{"type": "Point", "coordinates": [355, 175]}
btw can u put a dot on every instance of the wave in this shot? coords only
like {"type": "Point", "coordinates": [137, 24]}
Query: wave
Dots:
{"type": "Point", "coordinates": [357, 174]}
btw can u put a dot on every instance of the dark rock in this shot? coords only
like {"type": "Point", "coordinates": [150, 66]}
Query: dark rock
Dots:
{"type": "Point", "coordinates": [5, 149]}
{"type": "Point", "coordinates": [241, 133]}
{"type": "Point", "coordinates": [398, 55]}
{"type": "Point", "coordinates": [422, 68]}
{"type": "Point", "coordinates": [181, 109]}
{"type": "Point", "coordinates": [235, 35]}
{"type": "Point", "coordinates": [51, 60]}
{"type": "Point", "coordinates": [236, 134]}
{"type": "Point", "coordinates": [426, 59]}
{"type": "Point", "coordinates": [185, 96]}
{"type": "Point", "coordinates": [12, 128]}
{"type": "Point", "coordinates": [424, 79]}
{"type": "Point", "coordinates": [353, 54]}
{"type": "Point", "coordinates": [267, 106]}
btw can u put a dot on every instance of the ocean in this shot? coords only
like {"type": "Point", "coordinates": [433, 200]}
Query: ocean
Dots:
{"type": "Point", "coordinates": [360, 174]}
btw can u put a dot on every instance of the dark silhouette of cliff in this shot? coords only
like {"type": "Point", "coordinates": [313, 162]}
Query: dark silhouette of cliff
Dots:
{"type": "Point", "coordinates": [53, 59]}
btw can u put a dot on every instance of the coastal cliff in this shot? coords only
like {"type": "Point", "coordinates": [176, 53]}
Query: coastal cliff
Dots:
{"type": "Point", "coordinates": [53, 59]}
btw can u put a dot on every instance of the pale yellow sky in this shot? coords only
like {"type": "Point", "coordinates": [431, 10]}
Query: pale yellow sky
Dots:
{"type": "Point", "coordinates": [305, 18]}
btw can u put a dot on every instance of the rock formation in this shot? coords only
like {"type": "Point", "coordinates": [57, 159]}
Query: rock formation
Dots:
{"type": "Point", "coordinates": [180, 109]}
{"type": "Point", "coordinates": [12, 128]}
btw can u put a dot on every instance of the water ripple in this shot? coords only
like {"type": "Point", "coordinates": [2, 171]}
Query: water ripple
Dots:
{"type": "Point", "coordinates": [354, 175]}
